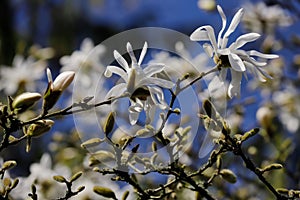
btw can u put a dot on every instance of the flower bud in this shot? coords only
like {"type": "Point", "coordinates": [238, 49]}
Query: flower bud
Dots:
{"type": "Point", "coordinates": [103, 191]}
{"type": "Point", "coordinates": [63, 80]}
{"type": "Point", "coordinates": [59, 179]}
{"type": "Point", "coordinates": [76, 176]}
{"type": "Point", "coordinates": [39, 127]}
{"type": "Point", "coordinates": [56, 88]}
{"type": "Point", "coordinates": [9, 164]}
{"type": "Point", "coordinates": [24, 101]}
{"type": "Point", "coordinates": [109, 123]}
{"type": "Point", "coordinates": [91, 143]}
{"type": "Point", "coordinates": [228, 175]}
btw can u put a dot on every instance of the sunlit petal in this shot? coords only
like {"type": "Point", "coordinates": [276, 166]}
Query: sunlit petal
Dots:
{"type": "Point", "coordinates": [236, 63]}
{"type": "Point", "coordinates": [121, 60]}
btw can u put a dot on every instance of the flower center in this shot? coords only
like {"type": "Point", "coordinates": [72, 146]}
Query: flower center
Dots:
{"type": "Point", "coordinates": [222, 61]}
{"type": "Point", "coordinates": [141, 93]}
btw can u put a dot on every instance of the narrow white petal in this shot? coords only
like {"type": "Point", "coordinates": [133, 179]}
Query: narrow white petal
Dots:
{"type": "Point", "coordinates": [254, 70]}
{"type": "Point", "coordinates": [135, 108]}
{"type": "Point", "coordinates": [225, 51]}
{"type": "Point", "coordinates": [236, 63]}
{"type": "Point", "coordinates": [262, 55]}
{"type": "Point", "coordinates": [49, 75]}
{"type": "Point", "coordinates": [223, 74]}
{"type": "Point", "coordinates": [208, 49]}
{"type": "Point", "coordinates": [117, 90]}
{"type": "Point", "coordinates": [254, 62]}
{"type": "Point", "coordinates": [130, 51]}
{"type": "Point", "coordinates": [157, 81]}
{"type": "Point", "coordinates": [143, 53]}
{"type": "Point", "coordinates": [116, 70]}
{"type": "Point", "coordinates": [133, 117]}
{"type": "Point", "coordinates": [243, 39]}
{"type": "Point", "coordinates": [220, 10]}
{"type": "Point", "coordinates": [264, 73]}
{"type": "Point", "coordinates": [150, 112]}
{"type": "Point", "coordinates": [235, 84]}
{"type": "Point", "coordinates": [121, 60]}
{"type": "Point", "coordinates": [205, 33]}
{"type": "Point", "coordinates": [152, 69]}
{"type": "Point", "coordinates": [234, 23]}
{"type": "Point", "coordinates": [131, 82]}
{"type": "Point", "coordinates": [157, 94]}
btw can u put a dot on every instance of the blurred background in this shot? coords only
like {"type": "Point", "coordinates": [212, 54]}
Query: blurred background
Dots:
{"type": "Point", "coordinates": [26, 25]}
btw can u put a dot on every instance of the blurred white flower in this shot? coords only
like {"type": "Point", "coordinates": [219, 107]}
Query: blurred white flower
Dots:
{"type": "Point", "coordinates": [232, 57]}
{"type": "Point", "coordinates": [262, 18]}
{"type": "Point", "coordinates": [288, 104]}
{"type": "Point", "coordinates": [41, 175]}
{"type": "Point", "coordinates": [140, 84]}
{"type": "Point", "coordinates": [23, 74]}
{"type": "Point", "coordinates": [86, 61]}
{"type": "Point", "coordinates": [207, 5]}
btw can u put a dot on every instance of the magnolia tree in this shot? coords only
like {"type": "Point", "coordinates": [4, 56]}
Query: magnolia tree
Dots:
{"type": "Point", "coordinates": [163, 116]}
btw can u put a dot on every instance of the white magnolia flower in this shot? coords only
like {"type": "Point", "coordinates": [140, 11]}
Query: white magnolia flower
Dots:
{"type": "Point", "coordinates": [23, 74]}
{"type": "Point", "coordinates": [140, 84]}
{"type": "Point", "coordinates": [232, 57]}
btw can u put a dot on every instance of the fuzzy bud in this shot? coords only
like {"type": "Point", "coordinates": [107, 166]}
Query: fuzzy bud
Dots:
{"type": "Point", "coordinates": [9, 164]}
{"type": "Point", "coordinates": [103, 191]}
{"type": "Point", "coordinates": [39, 127]}
{"type": "Point", "coordinates": [59, 179]}
{"type": "Point", "coordinates": [109, 123]}
{"type": "Point", "coordinates": [76, 176]}
{"type": "Point", "coordinates": [228, 175]}
{"type": "Point", "coordinates": [24, 101]}
{"type": "Point", "coordinates": [91, 143]}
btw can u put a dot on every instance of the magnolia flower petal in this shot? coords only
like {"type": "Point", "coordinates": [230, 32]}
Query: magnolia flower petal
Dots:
{"type": "Point", "coordinates": [243, 39]}
{"type": "Point", "coordinates": [130, 52]}
{"type": "Point", "coordinates": [49, 75]}
{"type": "Point", "coordinates": [262, 55]}
{"type": "Point", "coordinates": [205, 33]}
{"type": "Point", "coordinates": [220, 10]}
{"type": "Point", "coordinates": [156, 81]}
{"type": "Point", "coordinates": [208, 49]}
{"type": "Point", "coordinates": [254, 62]}
{"type": "Point", "coordinates": [226, 51]}
{"type": "Point", "coordinates": [234, 23]}
{"type": "Point", "coordinates": [264, 73]}
{"type": "Point", "coordinates": [157, 96]}
{"type": "Point", "coordinates": [133, 117]}
{"type": "Point", "coordinates": [150, 111]}
{"type": "Point", "coordinates": [236, 63]}
{"type": "Point", "coordinates": [235, 84]}
{"type": "Point", "coordinates": [143, 53]}
{"type": "Point", "coordinates": [254, 70]}
{"type": "Point", "coordinates": [115, 70]}
{"type": "Point", "coordinates": [121, 60]}
{"type": "Point", "coordinates": [117, 90]}
{"type": "Point", "coordinates": [135, 107]}
{"type": "Point", "coordinates": [152, 69]}
{"type": "Point", "coordinates": [223, 74]}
